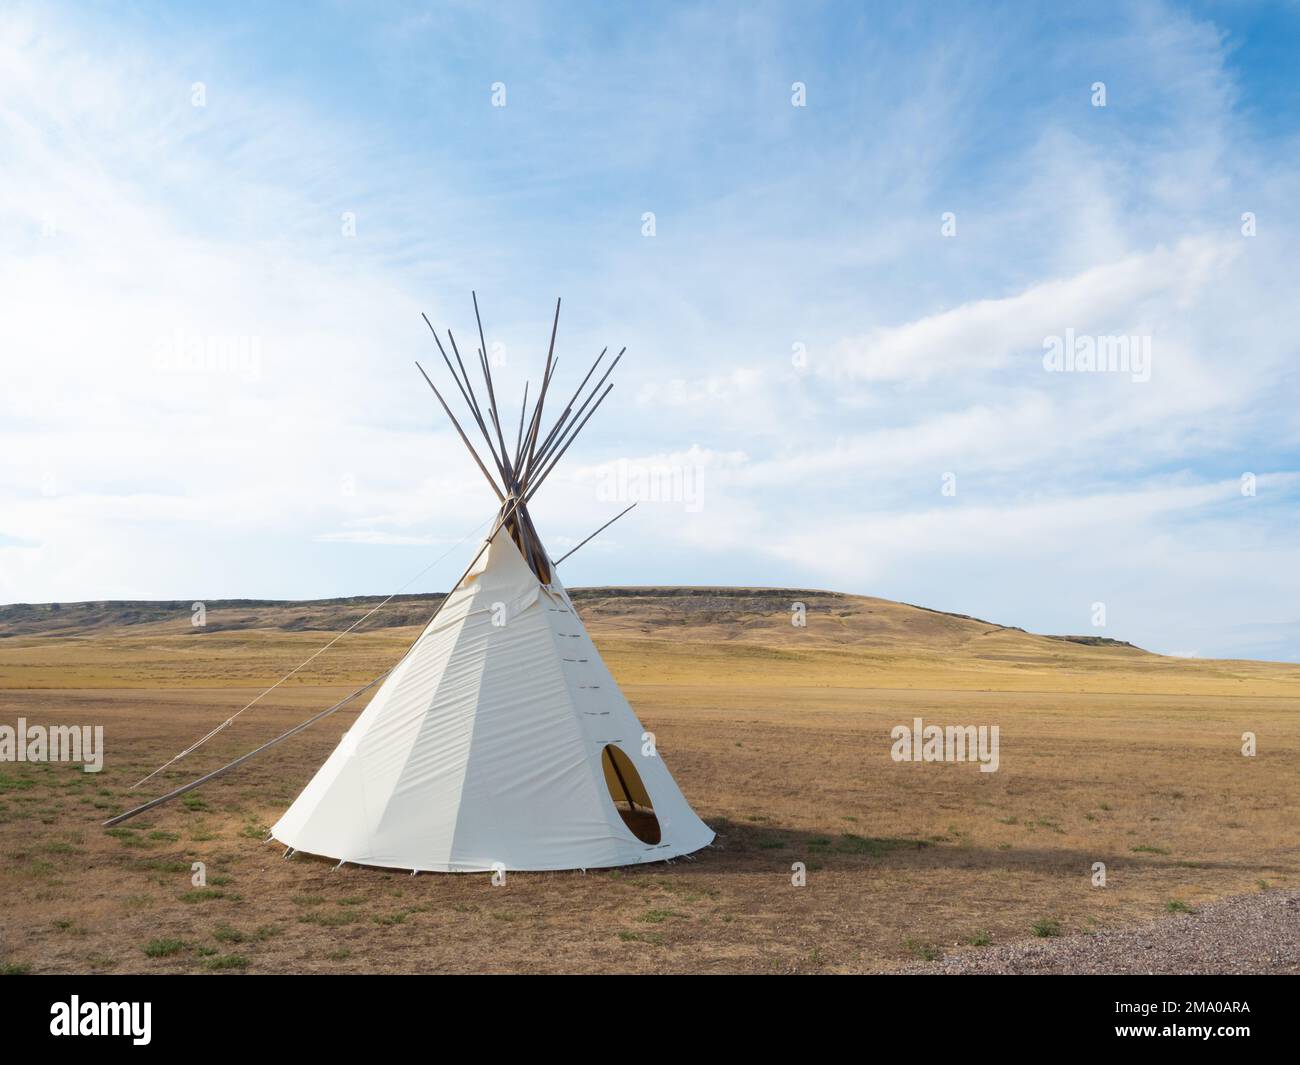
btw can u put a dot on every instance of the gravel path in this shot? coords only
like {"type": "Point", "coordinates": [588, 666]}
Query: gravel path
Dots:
{"type": "Point", "coordinates": [1246, 934]}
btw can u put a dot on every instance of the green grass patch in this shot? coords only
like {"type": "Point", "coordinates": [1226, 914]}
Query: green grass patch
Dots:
{"type": "Point", "coordinates": [163, 948]}
{"type": "Point", "coordinates": [328, 919]}
{"type": "Point", "coordinates": [227, 961]}
{"type": "Point", "coordinates": [875, 846]}
{"type": "Point", "coordinates": [659, 916]}
{"type": "Point", "coordinates": [924, 951]}
{"type": "Point", "coordinates": [204, 894]}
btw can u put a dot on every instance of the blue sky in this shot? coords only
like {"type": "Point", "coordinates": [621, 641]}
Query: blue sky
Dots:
{"type": "Point", "coordinates": [210, 389]}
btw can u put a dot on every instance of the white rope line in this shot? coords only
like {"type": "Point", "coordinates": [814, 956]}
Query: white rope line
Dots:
{"type": "Point", "coordinates": [226, 724]}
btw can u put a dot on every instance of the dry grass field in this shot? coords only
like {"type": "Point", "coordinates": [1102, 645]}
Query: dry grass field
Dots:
{"type": "Point", "coordinates": [779, 736]}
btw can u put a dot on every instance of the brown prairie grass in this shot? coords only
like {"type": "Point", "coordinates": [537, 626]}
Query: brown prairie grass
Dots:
{"type": "Point", "coordinates": [780, 739]}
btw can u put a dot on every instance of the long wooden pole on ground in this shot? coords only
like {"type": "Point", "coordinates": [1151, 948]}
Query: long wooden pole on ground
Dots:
{"type": "Point", "coordinates": [176, 793]}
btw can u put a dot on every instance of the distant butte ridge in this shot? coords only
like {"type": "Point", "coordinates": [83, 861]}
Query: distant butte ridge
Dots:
{"type": "Point", "coordinates": [716, 612]}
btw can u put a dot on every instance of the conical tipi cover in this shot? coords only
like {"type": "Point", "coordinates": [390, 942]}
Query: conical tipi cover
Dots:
{"type": "Point", "coordinates": [486, 747]}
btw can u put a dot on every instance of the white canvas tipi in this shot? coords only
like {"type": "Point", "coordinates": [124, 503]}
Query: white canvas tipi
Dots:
{"type": "Point", "coordinates": [500, 740]}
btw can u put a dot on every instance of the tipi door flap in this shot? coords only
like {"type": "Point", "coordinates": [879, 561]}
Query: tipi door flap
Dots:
{"type": "Point", "coordinates": [622, 777]}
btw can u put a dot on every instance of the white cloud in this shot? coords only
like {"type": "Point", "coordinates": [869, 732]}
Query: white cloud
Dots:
{"type": "Point", "coordinates": [1109, 299]}
{"type": "Point", "coordinates": [140, 225]}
